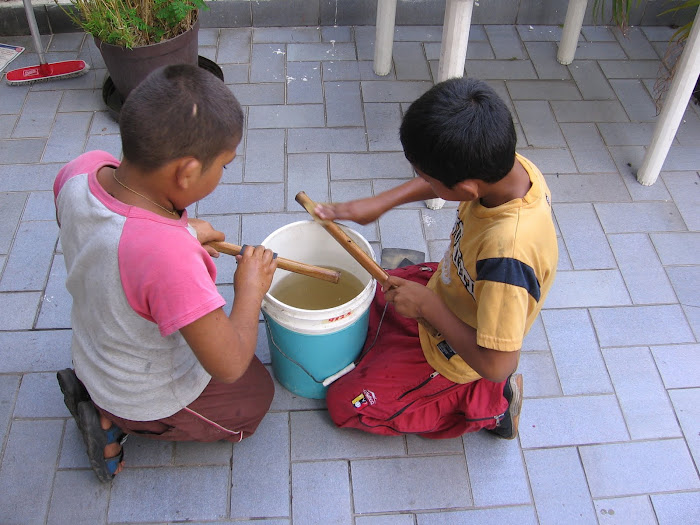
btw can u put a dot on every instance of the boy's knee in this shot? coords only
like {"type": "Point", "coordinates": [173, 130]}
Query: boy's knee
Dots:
{"type": "Point", "coordinates": [258, 400]}
{"type": "Point", "coordinates": [268, 389]}
{"type": "Point", "coordinates": [264, 385]}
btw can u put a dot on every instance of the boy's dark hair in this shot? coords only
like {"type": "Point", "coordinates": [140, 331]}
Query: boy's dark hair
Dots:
{"type": "Point", "coordinates": [179, 111]}
{"type": "Point", "coordinates": [460, 129]}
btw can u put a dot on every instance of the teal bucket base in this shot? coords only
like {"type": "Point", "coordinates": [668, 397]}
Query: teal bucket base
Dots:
{"type": "Point", "coordinates": [301, 362]}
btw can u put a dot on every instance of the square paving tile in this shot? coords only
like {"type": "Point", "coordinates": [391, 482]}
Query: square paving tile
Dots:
{"type": "Point", "coordinates": [584, 236]}
{"type": "Point", "coordinates": [315, 437]}
{"type": "Point", "coordinates": [321, 492]}
{"type": "Point", "coordinates": [559, 486]}
{"type": "Point", "coordinates": [672, 508]}
{"type": "Point", "coordinates": [648, 411]}
{"type": "Point", "coordinates": [78, 497]}
{"type": "Point", "coordinates": [579, 363]}
{"type": "Point", "coordinates": [28, 469]}
{"type": "Point", "coordinates": [638, 468]}
{"type": "Point", "coordinates": [620, 511]}
{"type": "Point", "coordinates": [641, 325]}
{"type": "Point", "coordinates": [644, 276]}
{"type": "Point", "coordinates": [383, 485]}
{"type": "Point", "coordinates": [262, 488]}
{"type": "Point", "coordinates": [686, 405]}
{"type": "Point", "coordinates": [487, 458]}
{"type": "Point", "coordinates": [174, 494]}
{"type": "Point", "coordinates": [678, 365]}
{"type": "Point", "coordinates": [563, 421]}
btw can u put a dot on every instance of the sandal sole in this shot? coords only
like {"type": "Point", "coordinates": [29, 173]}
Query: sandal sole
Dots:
{"type": "Point", "coordinates": [517, 401]}
{"type": "Point", "coordinates": [73, 391]}
{"type": "Point", "coordinates": [95, 440]}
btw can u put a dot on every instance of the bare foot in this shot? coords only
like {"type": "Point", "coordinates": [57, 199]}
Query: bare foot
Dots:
{"type": "Point", "coordinates": [112, 449]}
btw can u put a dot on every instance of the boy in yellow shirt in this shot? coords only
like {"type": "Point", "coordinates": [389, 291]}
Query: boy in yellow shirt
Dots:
{"type": "Point", "coordinates": [483, 296]}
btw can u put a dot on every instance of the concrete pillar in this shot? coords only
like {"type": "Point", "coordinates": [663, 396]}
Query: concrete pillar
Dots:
{"type": "Point", "coordinates": [677, 98]}
{"type": "Point", "coordinates": [453, 52]}
{"type": "Point", "coordinates": [384, 37]}
{"type": "Point", "coordinates": [572, 29]}
{"type": "Point", "coordinates": [455, 36]}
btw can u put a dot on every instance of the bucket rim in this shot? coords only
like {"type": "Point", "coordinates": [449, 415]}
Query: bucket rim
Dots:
{"type": "Point", "coordinates": [330, 312]}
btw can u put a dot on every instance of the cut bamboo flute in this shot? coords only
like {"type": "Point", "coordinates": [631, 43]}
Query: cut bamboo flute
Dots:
{"type": "Point", "coordinates": [286, 264]}
{"type": "Point", "coordinates": [357, 253]}
{"type": "Point", "coordinates": [346, 242]}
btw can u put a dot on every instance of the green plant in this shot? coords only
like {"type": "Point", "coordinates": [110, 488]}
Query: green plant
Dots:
{"type": "Point", "coordinates": [620, 16]}
{"type": "Point", "coordinates": [620, 12]}
{"type": "Point", "coordinates": [134, 23]}
{"type": "Point", "coordinates": [681, 35]}
{"type": "Point", "coordinates": [673, 52]}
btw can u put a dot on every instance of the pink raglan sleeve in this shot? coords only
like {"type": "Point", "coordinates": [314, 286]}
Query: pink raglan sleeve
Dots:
{"type": "Point", "coordinates": [168, 278]}
{"type": "Point", "coordinates": [85, 163]}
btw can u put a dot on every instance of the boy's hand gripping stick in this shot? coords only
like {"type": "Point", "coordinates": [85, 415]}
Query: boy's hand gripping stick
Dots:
{"type": "Point", "coordinates": [286, 264]}
{"type": "Point", "coordinates": [353, 249]}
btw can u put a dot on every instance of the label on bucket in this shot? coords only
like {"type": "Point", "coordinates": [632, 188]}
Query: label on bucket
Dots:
{"type": "Point", "coordinates": [337, 318]}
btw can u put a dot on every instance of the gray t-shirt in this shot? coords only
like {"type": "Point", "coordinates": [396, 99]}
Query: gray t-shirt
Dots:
{"type": "Point", "coordinates": [136, 278]}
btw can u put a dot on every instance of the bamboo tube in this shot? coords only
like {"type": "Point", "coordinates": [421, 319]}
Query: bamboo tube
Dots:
{"type": "Point", "coordinates": [286, 264]}
{"type": "Point", "coordinates": [367, 262]}
{"type": "Point", "coordinates": [346, 242]}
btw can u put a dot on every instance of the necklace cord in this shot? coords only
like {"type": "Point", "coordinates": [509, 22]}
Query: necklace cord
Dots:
{"type": "Point", "coordinates": [114, 176]}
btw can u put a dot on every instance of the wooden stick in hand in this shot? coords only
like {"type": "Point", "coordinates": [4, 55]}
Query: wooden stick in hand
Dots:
{"type": "Point", "coordinates": [367, 262]}
{"type": "Point", "coordinates": [286, 264]}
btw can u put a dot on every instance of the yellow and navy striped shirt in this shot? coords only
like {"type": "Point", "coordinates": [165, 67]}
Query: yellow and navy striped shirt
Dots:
{"type": "Point", "coordinates": [496, 273]}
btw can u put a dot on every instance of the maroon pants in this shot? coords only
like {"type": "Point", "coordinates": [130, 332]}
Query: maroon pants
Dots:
{"type": "Point", "coordinates": [393, 390]}
{"type": "Point", "coordinates": [223, 411]}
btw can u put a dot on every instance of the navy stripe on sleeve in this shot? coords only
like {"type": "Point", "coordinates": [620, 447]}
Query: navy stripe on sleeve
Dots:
{"type": "Point", "coordinates": [509, 271]}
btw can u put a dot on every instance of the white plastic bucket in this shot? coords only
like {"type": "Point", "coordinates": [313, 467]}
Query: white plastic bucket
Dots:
{"type": "Point", "coordinates": [307, 346]}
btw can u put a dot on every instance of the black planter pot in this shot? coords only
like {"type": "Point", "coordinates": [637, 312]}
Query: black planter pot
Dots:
{"type": "Point", "coordinates": [114, 101]}
{"type": "Point", "coordinates": [128, 67]}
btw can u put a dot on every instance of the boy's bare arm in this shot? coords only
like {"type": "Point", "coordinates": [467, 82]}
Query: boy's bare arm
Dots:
{"type": "Point", "coordinates": [364, 211]}
{"type": "Point", "coordinates": [415, 300]}
{"type": "Point", "coordinates": [225, 345]}
{"type": "Point", "coordinates": [206, 233]}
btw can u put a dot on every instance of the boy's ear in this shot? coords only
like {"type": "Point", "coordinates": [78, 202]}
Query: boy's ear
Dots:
{"type": "Point", "coordinates": [468, 189]}
{"type": "Point", "coordinates": [187, 171]}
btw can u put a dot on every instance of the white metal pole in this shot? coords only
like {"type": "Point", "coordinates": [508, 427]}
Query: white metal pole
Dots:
{"type": "Point", "coordinates": [687, 71]}
{"type": "Point", "coordinates": [572, 29]}
{"type": "Point", "coordinates": [384, 37]}
{"type": "Point", "coordinates": [455, 37]}
{"type": "Point", "coordinates": [453, 51]}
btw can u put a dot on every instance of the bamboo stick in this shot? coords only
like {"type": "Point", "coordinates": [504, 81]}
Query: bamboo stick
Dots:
{"type": "Point", "coordinates": [367, 262]}
{"type": "Point", "coordinates": [286, 264]}
{"type": "Point", "coordinates": [346, 242]}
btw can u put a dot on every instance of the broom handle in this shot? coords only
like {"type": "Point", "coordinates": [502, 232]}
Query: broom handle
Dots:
{"type": "Point", "coordinates": [353, 249]}
{"type": "Point", "coordinates": [34, 29]}
{"type": "Point", "coordinates": [286, 264]}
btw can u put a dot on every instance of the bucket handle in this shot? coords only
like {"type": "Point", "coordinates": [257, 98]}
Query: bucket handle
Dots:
{"type": "Point", "coordinates": [272, 339]}
{"type": "Point", "coordinates": [330, 379]}
{"type": "Point", "coordinates": [340, 374]}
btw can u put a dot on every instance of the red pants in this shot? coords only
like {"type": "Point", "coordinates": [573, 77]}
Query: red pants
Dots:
{"type": "Point", "coordinates": [393, 390]}
{"type": "Point", "coordinates": [222, 411]}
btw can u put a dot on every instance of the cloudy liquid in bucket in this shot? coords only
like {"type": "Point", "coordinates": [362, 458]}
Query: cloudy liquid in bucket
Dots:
{"type": "Point", "coordinates": [308, 293]}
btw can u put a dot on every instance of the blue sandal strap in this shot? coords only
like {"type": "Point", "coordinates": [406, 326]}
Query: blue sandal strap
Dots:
{"type": "Point", "coordinates": [114, 434]}
{"type": "Point", "coordinates": [113, 463]}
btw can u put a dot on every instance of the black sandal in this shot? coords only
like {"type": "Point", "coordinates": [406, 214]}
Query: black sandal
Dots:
{"type": "Point", "coordinates": [96, 439]}
{"type": "Point", "coordinates": [74, 392]}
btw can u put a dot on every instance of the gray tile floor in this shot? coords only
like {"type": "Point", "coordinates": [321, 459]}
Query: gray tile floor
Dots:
{"type": "Point", "coordinates": [610, 431]}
